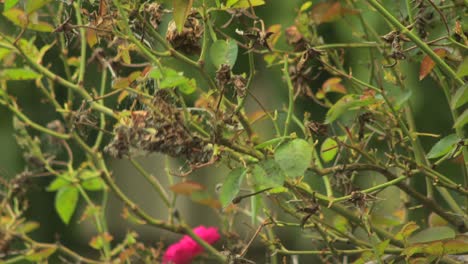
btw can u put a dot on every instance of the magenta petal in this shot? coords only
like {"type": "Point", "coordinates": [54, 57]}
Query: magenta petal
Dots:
{"type": "Point", "coordinates": [186, 249]}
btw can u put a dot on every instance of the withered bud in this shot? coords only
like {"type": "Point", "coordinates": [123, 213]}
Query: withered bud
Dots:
{"type": "Point", "coordinates": [58, 127]}
{"type": "Point", "coordinates": [223, 74]}
{"type": "Point", "coordinates": [317, 128]}
{"type": "Point", "coordinates": [293, 36]}
{"type": "Point", "coordinates": [187, 41]}
{"type": "Point", "coordinates": [155, 12]}
{"type": "Point", "coordinates": [240, 85]}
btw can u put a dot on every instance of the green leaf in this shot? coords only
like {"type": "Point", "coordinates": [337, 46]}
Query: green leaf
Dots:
{"type": "Point", "coordinates": [460, 97]}
{"type": "Point", "coordinates": [33, 5]}
{"type": "Point", "coordinates": [462, 70]}
{"type": "Point", "coordinates": [231, 186]}
{"type": "Point", "coordinates": [294, 157]}
{"type": "Point", "coordinates": [38, 255]}
{"type": "Point", "coordinates": [223, 52]}
{"type": "Point", "coordinates": [9, 4]}
{"type": "Point", "coordinates": [268, 174]}
{"type": "Point", "coordinates": [402, 98]}
{"type": "Point", "coordinates": [461, 120]}
{"type": "Point", "coordinates": [181, 11]}
{"type": "Point", "coordinates": [172, 79]}
{"type": "Point", "coordinates": [4, 52]}
{"type": "Point", "coordinates": [66, 200]}
{"type": "Point", "coordinates": [188, 87]}
{"type": "Point", "coordinates": [443, 146]}
{"type": "Point", "coordinates": [406, 231]}
{"type": "Point", "coordinates": [458, 245]}
{"type": "Point", "coordinates": [432, 234]}
{"type": "Point", "coordinates": [305, 6]}
{"type": "Point", "coordinates": [155, 73]}
{"type": "Point", "coordinates": [27, 227]}
{"type": "Point", "coordinates": [346, 103]}
{"type": "Point", "coordinates": [329, 149]}
{"type": "Point", "coordinates": [56, 184]}
{"type": "Point", "coordinates": [243, 3]}
{"type": "Point", "coordinates": [18, 74]}
{"type": "Point", "coordinates": [91, 180]}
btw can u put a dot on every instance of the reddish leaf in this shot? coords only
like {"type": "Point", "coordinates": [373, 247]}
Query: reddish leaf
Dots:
{"type": "Point", "coordinates": [331, 85]}
{"type": "Point", "coordinates": [328, 12]}
{"type": "Point", "coordinates": [428, 64]}
{"type": "Point", "coordinates": [187, 187]}
{"type": "Point", "coordinates": [210, 202]}
{"type": "Point", "coordinates": [293, 35]}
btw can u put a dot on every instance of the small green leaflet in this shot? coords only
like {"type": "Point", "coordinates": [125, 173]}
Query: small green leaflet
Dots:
{"type": "Point", "coordinates": [243, 3]}
{"type": "Point", "coordinates": [66, 200]}
{"type": "Point", "coordinates": [169, 78]}
{"type": "Point", "coordinates": [91, 180]}
{"type": "Point", "coordinates": [443, 146]}
{"type": "Point", "coordinates": [462, 120]}
{"type": "Point", "coordinates": [462, 70]}
{"type": "Point", "coordinates": [58, 183]}
{"type": "Point", "coordinates": [231, 186]}
{"type": "Point", "coordinates": [346, 103]}
{"type": "Point", "coordinates": [329, 149]}
{"type": "Point", "coordinates": [9, 4]}
{"type": "Point", "coordinates": [460, 97]}
{"type": "Point", "coordinates": [294, 157]}
{"type": "Point", "coordinates": [223, 52]}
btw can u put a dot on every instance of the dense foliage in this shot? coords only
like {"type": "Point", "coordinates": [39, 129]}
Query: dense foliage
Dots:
{"type": "Point", "coordinates": [128, 78]}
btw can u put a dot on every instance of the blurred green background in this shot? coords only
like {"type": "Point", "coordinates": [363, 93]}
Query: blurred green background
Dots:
{"type": "Point", "coordinates": [428, 102]}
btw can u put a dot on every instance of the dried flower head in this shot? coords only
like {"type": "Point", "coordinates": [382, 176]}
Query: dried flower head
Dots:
{"type": "Point", "coordinates": [240, 85]}
{"type": "Point", "coordinates": [223, 75]}
{"type": "Point", "coordinates": [155, 12]}
{"type": "Point", "coordinates": [187, 41]}
{"type": "Point", "coordinates": [159, 129]}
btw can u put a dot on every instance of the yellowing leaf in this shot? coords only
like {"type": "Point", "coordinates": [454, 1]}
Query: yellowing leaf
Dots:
{"type": "Point", "coordinates": [98, 242]}
{"type": "Point", "coordinates": [428, 64]}
{"type": "Point", "coordinates": [20, 18]}
{"type": "Point", "coordinates": [120, 83]}
{"type": "Point", "coordinates": [18, 74]}
{"type": "Point", "coordinates": [38, 255]}
{"type": "Point", "coordinates": [91, 37]}
{"type": "Point", "coordinates": [276, 30]}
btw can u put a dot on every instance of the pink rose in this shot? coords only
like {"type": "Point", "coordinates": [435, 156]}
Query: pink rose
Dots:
{"type": "Point", "coordinates": [186, 249]}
